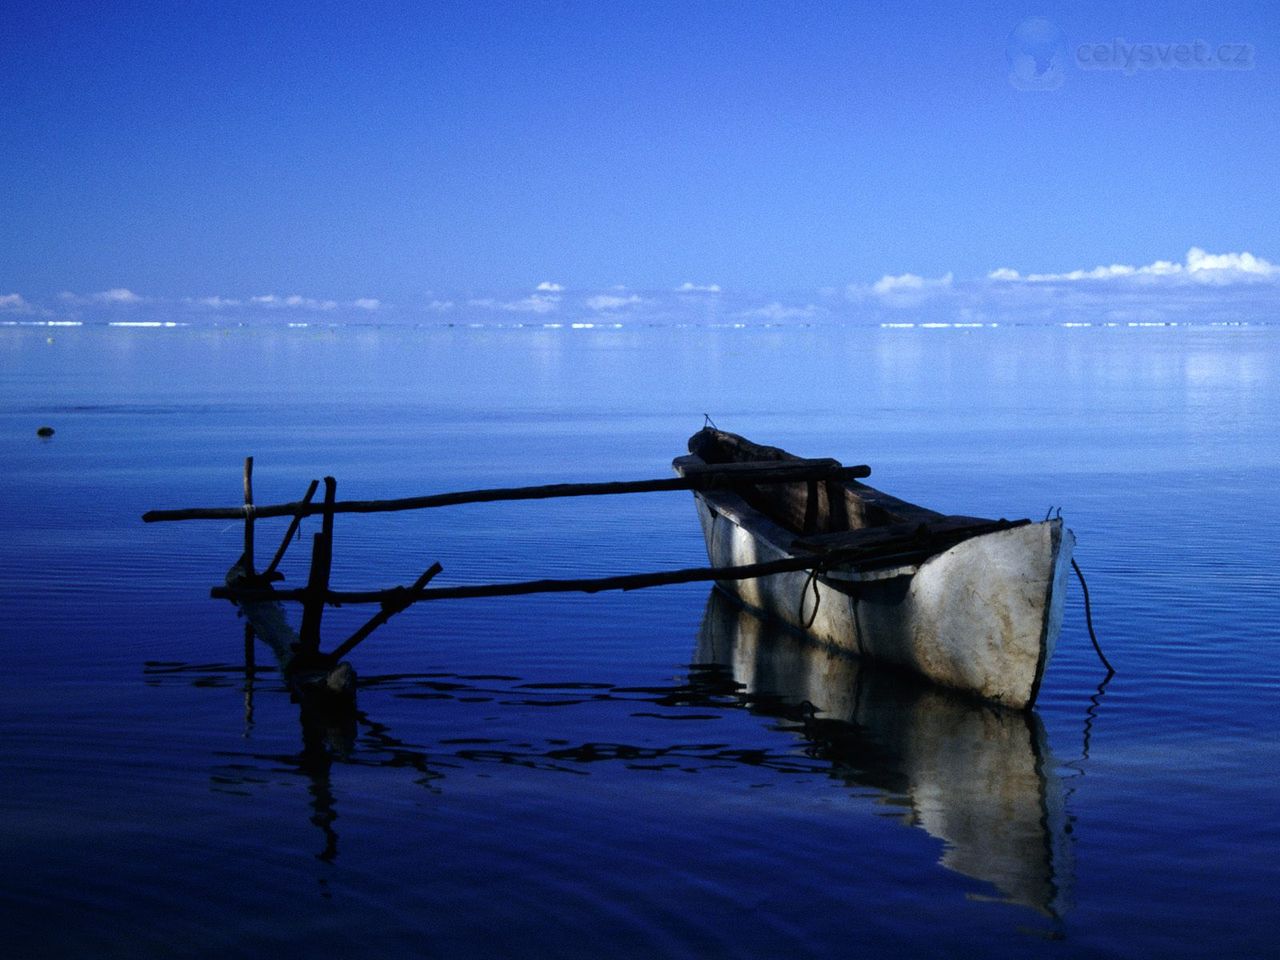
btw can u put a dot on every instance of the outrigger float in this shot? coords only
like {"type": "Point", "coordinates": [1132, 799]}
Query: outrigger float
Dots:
{"type": "Point", "coordinates": [969, 603]}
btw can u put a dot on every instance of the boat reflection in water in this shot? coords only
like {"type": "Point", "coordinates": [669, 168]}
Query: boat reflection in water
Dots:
{"type": "Point", "coordinates": [978, 778]}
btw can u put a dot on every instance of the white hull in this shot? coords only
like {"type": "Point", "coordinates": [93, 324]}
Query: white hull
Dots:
{"type": "Point", "coordinates": [980, 617]}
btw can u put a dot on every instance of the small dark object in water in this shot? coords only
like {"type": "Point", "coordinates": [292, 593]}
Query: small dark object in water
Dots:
{"type": "Point", "coordinates": [44, 432]}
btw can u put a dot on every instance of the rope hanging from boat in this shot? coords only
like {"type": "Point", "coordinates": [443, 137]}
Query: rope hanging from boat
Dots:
{"type": "Point", "coordinates": [817, 597]}
{"type": "Point", "coordinates": [1088, 619]}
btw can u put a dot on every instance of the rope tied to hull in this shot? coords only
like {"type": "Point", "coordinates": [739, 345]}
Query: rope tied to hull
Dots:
{"type": "Point", "coordinates": [1088, 619]}
{"type": "Point", "coordinates": [817, 597]}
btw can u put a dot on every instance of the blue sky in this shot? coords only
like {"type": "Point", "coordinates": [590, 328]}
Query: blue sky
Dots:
{"type": "Point", "coordinates": [420, 161]}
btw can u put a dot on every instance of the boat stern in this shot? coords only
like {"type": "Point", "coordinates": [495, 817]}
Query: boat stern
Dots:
{"type": "Point", "coordinates": [985, 615]}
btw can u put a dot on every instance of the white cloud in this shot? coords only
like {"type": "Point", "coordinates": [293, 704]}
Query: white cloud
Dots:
{"type": "Point", "coordinates": [903, 290]}
{"type": "Point", "coordinates": [1215, 266]}
{"type": "Point", "coordinates": [1160, 268]}
{"type": "Point", "coordinates": [1200, 287]}
{"type": "Point", "coordinates": [534, 303]}
{"type": "Point", "coordinates": [1097, 273]}
{"type": "Point", "coordinates": [607, 301]}
{"type": "Point", "coordinates": [775, 312]}
{"type": "Point", "coordinates": [309, 304]}
{"type": "Point", "coordinates": [299, 302]}
{"type": "Point", "coordinates": [888, 285]}
{"type": "Point", "coordinates": [1198, 266]}
{"type": "Point", "coordinates": [296, 301]}
{"type": "Point", "coordinates": [216, 303]}
{"type": "Point", "coordinates": [117, 295]}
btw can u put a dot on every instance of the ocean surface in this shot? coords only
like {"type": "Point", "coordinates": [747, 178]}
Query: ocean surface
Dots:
{"type": "Point", "coordinates": [644, 774]}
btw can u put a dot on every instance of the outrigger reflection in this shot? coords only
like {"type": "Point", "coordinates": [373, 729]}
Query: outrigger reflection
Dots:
{"type": "Point", "coordinates": [969, 603]}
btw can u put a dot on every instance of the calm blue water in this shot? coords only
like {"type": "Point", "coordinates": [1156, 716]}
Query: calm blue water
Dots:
{"type": "Point", "coordinates": [631, 774]}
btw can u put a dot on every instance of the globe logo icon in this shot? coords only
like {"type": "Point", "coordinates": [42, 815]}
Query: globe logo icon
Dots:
{"type": "Point", "coordinates": [1037, 55]}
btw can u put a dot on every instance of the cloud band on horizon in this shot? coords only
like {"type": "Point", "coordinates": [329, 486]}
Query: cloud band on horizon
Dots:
{"type": "Point", "coordinates": [1212, 286]}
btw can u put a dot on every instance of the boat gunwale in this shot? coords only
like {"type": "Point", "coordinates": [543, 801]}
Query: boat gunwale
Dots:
{"type": "Point", "coordinates": [735, 507]}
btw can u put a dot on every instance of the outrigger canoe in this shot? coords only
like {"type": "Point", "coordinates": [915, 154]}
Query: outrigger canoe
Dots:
{"type": "Point", "coordinates": [969, 603]}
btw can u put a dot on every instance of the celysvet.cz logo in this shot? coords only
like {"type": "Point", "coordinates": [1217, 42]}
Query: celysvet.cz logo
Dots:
{"type": "Point", "coordinates": [1039, 55]}
{"type": "Point", "coordinates": [1120, 54]}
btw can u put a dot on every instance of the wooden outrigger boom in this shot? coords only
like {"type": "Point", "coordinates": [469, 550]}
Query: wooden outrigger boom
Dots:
{"type": "Point", "coordinates": [711, 478]}
{"type": "Point", "coordinates": [971, 603]}
{"type": "Point", "coordinates": [323, 680]}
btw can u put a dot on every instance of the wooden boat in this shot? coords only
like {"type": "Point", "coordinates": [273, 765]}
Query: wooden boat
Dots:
{"type": "Point", "coordinates": [969, 603]}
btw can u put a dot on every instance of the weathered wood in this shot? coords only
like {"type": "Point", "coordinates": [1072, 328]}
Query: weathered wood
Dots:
{"type": "Point", "coordinates": [390, 607]}
{"type": "Point", "coordinates": [900, 536]}
{"type": "Point", "coordinates": [267, 619]}
{"type": "Point", "coordinates": [316, 683]}
{"type": "Point", "coordinates": [248, 514]}
{"type": "Point", "coordinates": [318, 580]}
{"type": "Point", "coordinates": [288, 535]}
{"type": "Point", "coordinates": [831, 508]}
{"type": "Point", "coordinates": [711, 477]}
{"type": "Point", "coordinates": [630, 581]}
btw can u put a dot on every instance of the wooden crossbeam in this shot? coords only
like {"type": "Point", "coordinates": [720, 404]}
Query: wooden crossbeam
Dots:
{"type": "Point", "coordinates": [709, 477]}
{"type": "Point", "coordinates": [629, 581]}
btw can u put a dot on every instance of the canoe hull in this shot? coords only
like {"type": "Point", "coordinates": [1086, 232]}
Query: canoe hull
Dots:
{"type": "Point", "coordinates": [981, 617]}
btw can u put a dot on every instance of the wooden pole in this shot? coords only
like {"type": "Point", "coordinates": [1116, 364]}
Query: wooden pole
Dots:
{"type": "Point", "coordinates": [317, 589]}
{"type": "Point", "coordinates": [293, 528]}
{"type": "Point", "coordinates": [892, 552]}
{"type": "Point", "coordinates": [630, 581]}
{"type": "Point", "coordinates": [248, 515]}
{"type": "Point", "coordinates": [711, 477]}
{"type": "Point", "coordinates": [390, 608]}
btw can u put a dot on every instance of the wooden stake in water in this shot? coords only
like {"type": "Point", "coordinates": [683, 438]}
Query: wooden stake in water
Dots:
{"type": "Point", "coordinates": [318, 581]}
{"type": "Point", "coordinates": [248, 515]}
